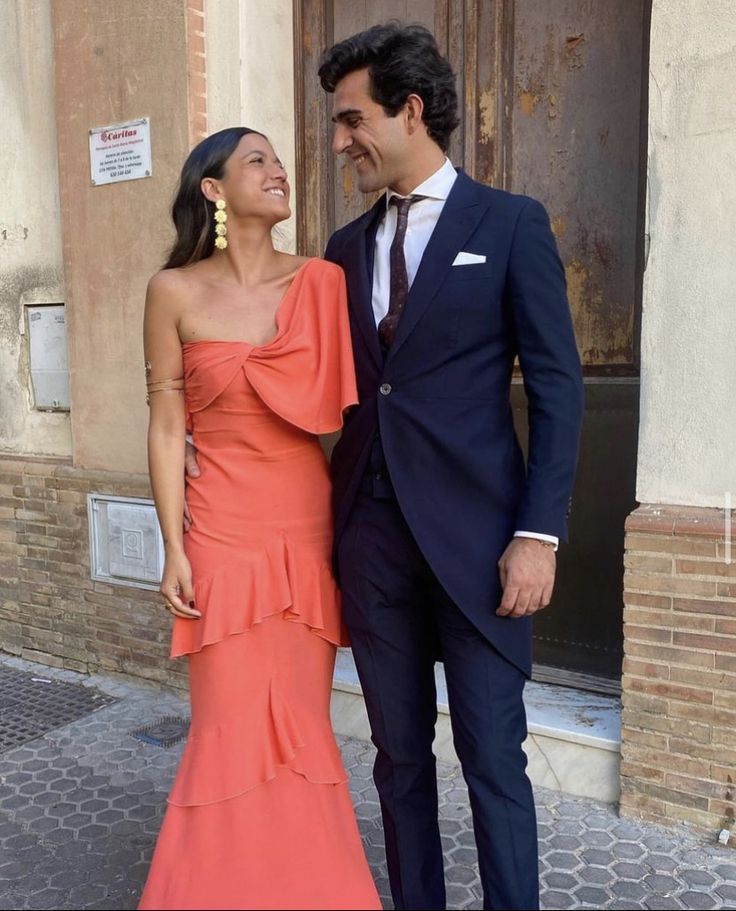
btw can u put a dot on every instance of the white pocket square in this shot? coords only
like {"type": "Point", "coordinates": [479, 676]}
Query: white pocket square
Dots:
{"type": "Point", "coordinates": [467, 259]}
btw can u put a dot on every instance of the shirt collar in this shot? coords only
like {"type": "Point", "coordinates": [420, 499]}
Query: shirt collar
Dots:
{"type": "Point", "coordinates": [436, 186]}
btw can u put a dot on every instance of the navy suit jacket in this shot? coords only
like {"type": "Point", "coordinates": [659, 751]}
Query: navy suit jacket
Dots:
{"type": "Point", "coordinates": [440, 399]}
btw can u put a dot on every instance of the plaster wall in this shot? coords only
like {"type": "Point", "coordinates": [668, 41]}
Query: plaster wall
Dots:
{"type": "Point", "coordinates": [250, 79]}
{"type": "Point", "coordinates": [687, 442]}
{"type": "Point", "coordinates": [114, 64]}
{"type": "Point", "coordinates": [30, 222]}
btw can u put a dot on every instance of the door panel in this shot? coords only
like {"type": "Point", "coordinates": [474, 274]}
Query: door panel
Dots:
{"type": "Point", "coordinates": [575, 145]}
{"type": "Point", "coordinates": [579, 638]}
{"type": "Point", "coordinates": [348, 18]}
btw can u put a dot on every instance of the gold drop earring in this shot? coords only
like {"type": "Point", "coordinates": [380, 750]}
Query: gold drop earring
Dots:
{"type": "Point", "coordinates": [220, 226]}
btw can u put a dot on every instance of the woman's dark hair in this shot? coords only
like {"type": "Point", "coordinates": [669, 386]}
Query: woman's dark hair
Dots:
{"type": "Point", "coordinates": [192, 212]}
{"type": "Point", "coordinates": [402, 60]}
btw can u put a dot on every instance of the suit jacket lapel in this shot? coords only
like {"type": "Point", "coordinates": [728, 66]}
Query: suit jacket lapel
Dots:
{"type": "Point", "coordinates": [460, 216]}
{"type": "Point", "coordinates": [359, 252]}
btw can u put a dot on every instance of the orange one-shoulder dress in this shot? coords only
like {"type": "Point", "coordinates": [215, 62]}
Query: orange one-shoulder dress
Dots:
{"type": "Point", "coordinates": [259, 815]}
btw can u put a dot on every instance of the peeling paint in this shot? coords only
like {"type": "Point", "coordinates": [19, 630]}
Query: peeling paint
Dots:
{"type": "Point", "coordinates": [603, 251]}
{"type": "Point", "coordinates": [603, 329]}
{"type": "Point", "coordinates": [486, 108]}
{"type": "Point", "coordinates": [558, 226]}
{"type": "Point", "coordinates": [528, 101]}
{"type": "Point", "coordinates": [573, 45]}
{"type": "Point", "coordinates": [577, 285]}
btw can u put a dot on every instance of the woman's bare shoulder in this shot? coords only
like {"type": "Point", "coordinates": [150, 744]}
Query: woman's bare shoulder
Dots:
{"type": "Point", "coordinates": [173, 288]}
{"type": "Point", "coordinates": [171, 281]}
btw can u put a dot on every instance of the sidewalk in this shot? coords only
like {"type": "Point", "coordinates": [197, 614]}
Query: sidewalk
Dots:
{"type": "Point", "coordinates": [81, 800]}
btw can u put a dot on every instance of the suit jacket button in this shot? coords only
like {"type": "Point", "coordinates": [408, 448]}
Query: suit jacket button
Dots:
{"type": "Point", "coordinates": [385, 389]}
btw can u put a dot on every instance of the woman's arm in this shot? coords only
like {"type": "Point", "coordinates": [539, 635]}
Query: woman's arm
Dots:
{"type": "Point", "coordinates": [166, 429]}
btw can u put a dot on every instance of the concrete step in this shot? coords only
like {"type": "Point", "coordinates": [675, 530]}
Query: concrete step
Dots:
{"type": "Point", "coordinates": [574, 742]}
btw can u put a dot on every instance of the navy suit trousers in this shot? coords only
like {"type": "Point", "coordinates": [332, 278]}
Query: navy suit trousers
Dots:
{"type": "Point", "coordinates": [400, 620]}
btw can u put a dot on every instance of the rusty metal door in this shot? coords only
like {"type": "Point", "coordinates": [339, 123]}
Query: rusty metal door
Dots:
{"type": "Point", "coordinates": [553, 102]}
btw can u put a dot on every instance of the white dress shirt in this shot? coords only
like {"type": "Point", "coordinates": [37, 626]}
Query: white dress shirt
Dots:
{"type": "Point", "coordinates": [423, 217]}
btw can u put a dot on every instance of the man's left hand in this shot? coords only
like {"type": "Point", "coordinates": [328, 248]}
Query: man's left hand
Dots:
{"type": "Point", "coordinates": [527, 569]}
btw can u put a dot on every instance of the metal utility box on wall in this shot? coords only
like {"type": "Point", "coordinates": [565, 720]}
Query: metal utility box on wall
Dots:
{"type": "Point", "coordinates": [126, 547]}
{"type": "Point", "coordinates": [48, 355]}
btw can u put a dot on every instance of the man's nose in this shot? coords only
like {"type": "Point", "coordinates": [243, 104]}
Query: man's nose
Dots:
{"type": "Point", "coordinates": [341, 139]}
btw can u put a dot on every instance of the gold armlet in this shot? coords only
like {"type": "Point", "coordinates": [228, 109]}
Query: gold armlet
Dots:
{"type": "Point", "coordinates": [163, 386]}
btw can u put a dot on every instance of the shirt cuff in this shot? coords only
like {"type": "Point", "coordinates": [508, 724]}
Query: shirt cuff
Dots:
{"type": "Point", "coordinates": [539, 537]}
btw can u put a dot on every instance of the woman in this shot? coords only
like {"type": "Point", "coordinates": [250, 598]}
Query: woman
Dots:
{"type": "Point", "coordinates": [249, 349]}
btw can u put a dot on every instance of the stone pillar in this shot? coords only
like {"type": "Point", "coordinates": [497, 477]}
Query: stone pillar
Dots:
{"type": "Point", "coordinates": [679, 685]}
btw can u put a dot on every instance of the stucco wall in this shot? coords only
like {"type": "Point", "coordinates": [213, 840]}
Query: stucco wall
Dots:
{"type": "Point", "coordinates": [687, 448]}
{"type": "Point", "coordinates": [250, 78]}
{"type": "Point", "coordinates": [114, 65]}
{"type": "Point", "coordinates": [30, 226]}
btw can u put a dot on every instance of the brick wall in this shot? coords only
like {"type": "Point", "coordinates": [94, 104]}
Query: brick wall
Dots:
{"type": "Point", "coordinates": [50, 609]}
{"type": "Point", "coordinates": [196, 71]}
{"type": "Point", "coordinates": [679, 682]}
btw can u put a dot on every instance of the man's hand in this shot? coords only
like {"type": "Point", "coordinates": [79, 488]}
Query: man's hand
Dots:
{"type": "Point", "coordinates": [527, 569]}
{"type": "Point", "coordinates": [192, 469]}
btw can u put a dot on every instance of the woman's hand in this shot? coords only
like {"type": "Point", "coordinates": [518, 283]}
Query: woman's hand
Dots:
{"type": "Point", "coordinates": [176, 586]}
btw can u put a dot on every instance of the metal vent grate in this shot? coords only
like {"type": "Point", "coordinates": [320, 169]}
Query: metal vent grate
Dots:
{"type": "Point", "coordinates": [32, 705]}
{"type": "Point", "coordinates": [163, 733]}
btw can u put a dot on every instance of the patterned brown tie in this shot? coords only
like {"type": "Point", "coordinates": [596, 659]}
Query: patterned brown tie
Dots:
{"type": "Point", "coordinates": [399, 287]}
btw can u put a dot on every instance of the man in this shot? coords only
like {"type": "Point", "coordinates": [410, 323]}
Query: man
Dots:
{"type": "Point", "coordinates": [445, 542]}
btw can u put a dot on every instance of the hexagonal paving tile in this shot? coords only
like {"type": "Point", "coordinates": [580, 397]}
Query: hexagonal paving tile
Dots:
{"type": "Point", "coordinates": [555, 880]}
{"type": "Point", "coordinates": [597, 856]}
{"type": "Point", "coordinates": [596, 875]}
{"type": "Point", "coordinates": [698, 900]}
{"type": "Point", "coordinates": [590, 895]}
{"type": "Point", "coordinates": [565, 842]}
{"type": "Point", "coordinates": [698, 878]}
{"type": "Point", "coordinates": [728, 893]}
{"type": "Point", "coordinates": [627, 850]}
{"type": "Point", "coordinates": [661, 862]}
{"type": "Point", "coordinates": [632, 891]}
{"type": "Point", "coordinates": [626, 870]}
{"type": "Point", "coordinates": [562, 860]}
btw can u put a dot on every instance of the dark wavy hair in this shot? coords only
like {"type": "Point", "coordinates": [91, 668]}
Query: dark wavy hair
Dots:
{"type": "Point", "coordinates": [402, 60]}
{"type": "Point", "coordinates": [192, 213]}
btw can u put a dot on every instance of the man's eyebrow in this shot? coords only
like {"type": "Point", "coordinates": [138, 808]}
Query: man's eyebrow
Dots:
{"type": "Point", "coordinates": [345, 115]}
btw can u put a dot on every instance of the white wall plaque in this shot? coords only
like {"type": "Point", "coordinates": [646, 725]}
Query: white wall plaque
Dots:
{"type": "Point", "coordinates": [120, 152]}
{"type": "Point", "coordinates": [126, 547]}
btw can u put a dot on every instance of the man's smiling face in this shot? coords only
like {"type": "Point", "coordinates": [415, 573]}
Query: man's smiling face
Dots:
{"type": "Point", "coordinates": [376, 143]}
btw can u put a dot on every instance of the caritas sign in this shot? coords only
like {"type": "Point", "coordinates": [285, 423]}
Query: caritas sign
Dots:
{"type": "Point", "coordinates": [120, 152]}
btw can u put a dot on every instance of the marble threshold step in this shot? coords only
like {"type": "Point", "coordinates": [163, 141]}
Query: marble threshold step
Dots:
{"type": "Point", "coordinates": [574, 742]}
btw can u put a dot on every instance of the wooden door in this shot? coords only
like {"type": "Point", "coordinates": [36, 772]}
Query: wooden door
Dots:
{"type": "Point", "coordinates": [553, 103]}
